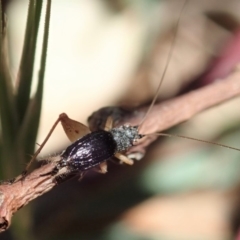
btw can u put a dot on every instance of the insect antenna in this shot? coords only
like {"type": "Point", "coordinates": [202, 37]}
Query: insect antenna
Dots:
{"type": "Point", "coordinates": [169, 56]}
{"type": "Point", "coordinates": [193, 139]}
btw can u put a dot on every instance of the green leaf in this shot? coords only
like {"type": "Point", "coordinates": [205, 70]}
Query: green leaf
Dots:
{"type": "Point", "coordinates": [31, 121]}
{"type": "Point", "coordinates": [1, 24]}
{"type": "Point", "coordinates": [8, 113]}
{"type": "Point", "coordinates": [25, 73]}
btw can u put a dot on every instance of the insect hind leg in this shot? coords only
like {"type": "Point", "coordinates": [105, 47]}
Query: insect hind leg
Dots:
{"type": "Point", "coordinates": [108, 124]}
{"type": "Point", "coordinates": [68, 174]}
{"type": "Point", "coordinates": [24, 173]}
{"type": "Point", "coordinates": [73, 129]}
{"type": "Point", "coordinates": [52, 172]}
{"type": "Point", "coordinates": [59, 173]}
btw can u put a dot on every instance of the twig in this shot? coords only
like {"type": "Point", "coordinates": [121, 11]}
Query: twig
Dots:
{"type": "Point", "coordinates": [163, 116]}
{"type": "Point", "coordinates": [172, 112]}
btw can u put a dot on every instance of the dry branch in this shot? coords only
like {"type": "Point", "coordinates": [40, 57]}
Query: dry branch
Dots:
{"type": "Point", "coordinates": [15, 196]}
{"type": "Point", "coordinates": [172, 112]}
{"type": "Point", "coordinates": [163, 116]}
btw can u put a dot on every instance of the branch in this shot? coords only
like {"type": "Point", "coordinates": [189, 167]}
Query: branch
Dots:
{"type": "Point", "coordinates": [172, 112]}
{"type": "Point", "coordinates": [20, 193]}
{"type": "Point", "coordinates": [163, 116]}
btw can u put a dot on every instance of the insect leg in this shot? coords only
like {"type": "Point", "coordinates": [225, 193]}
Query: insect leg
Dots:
{"type": "Point", "coordinates": [68, 175]}
{"type": "Point", "coordinates": [124, 159]}
{"type": "Point", "coordinates": [102, 168]}
{"type": "Point", "coordinates": [24, 173]}
{"type": "Point", "coordinates": [73, 129]}
{"type": "Point", "coordinates": [109, 124]}
{"type": "Point", "coordinates": [121, 157]}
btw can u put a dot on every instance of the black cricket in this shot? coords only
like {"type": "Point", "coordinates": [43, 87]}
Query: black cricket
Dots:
{"type": "Point", "coordinates": [95, 148]}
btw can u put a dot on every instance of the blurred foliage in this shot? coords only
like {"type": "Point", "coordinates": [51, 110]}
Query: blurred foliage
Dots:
{"type": "Point", "coordinates": [20, 113]}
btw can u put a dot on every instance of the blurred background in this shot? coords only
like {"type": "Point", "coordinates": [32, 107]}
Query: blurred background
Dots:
{"type": "Point", "coordinates": [112, 52]}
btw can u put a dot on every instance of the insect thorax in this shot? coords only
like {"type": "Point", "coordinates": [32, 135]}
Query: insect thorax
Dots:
{"type": "Point", "coordinates": [125, 136]}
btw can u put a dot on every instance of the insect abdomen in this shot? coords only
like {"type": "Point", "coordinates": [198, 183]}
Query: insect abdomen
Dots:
{"type": "Point", "coordinates": [90, 151]}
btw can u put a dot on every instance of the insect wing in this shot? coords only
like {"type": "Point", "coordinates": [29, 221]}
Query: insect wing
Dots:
{"type": "Point", "coordinates": [90, 151]}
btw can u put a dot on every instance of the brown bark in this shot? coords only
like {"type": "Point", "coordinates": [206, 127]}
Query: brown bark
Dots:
{"type": "Point", "coordinates": [172, 112]}
{"type": "Point", "coordinates": [18, 194]}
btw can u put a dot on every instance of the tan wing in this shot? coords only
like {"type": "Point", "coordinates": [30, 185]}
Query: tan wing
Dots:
{"type": "Point", "coordinates": [73, 129]}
